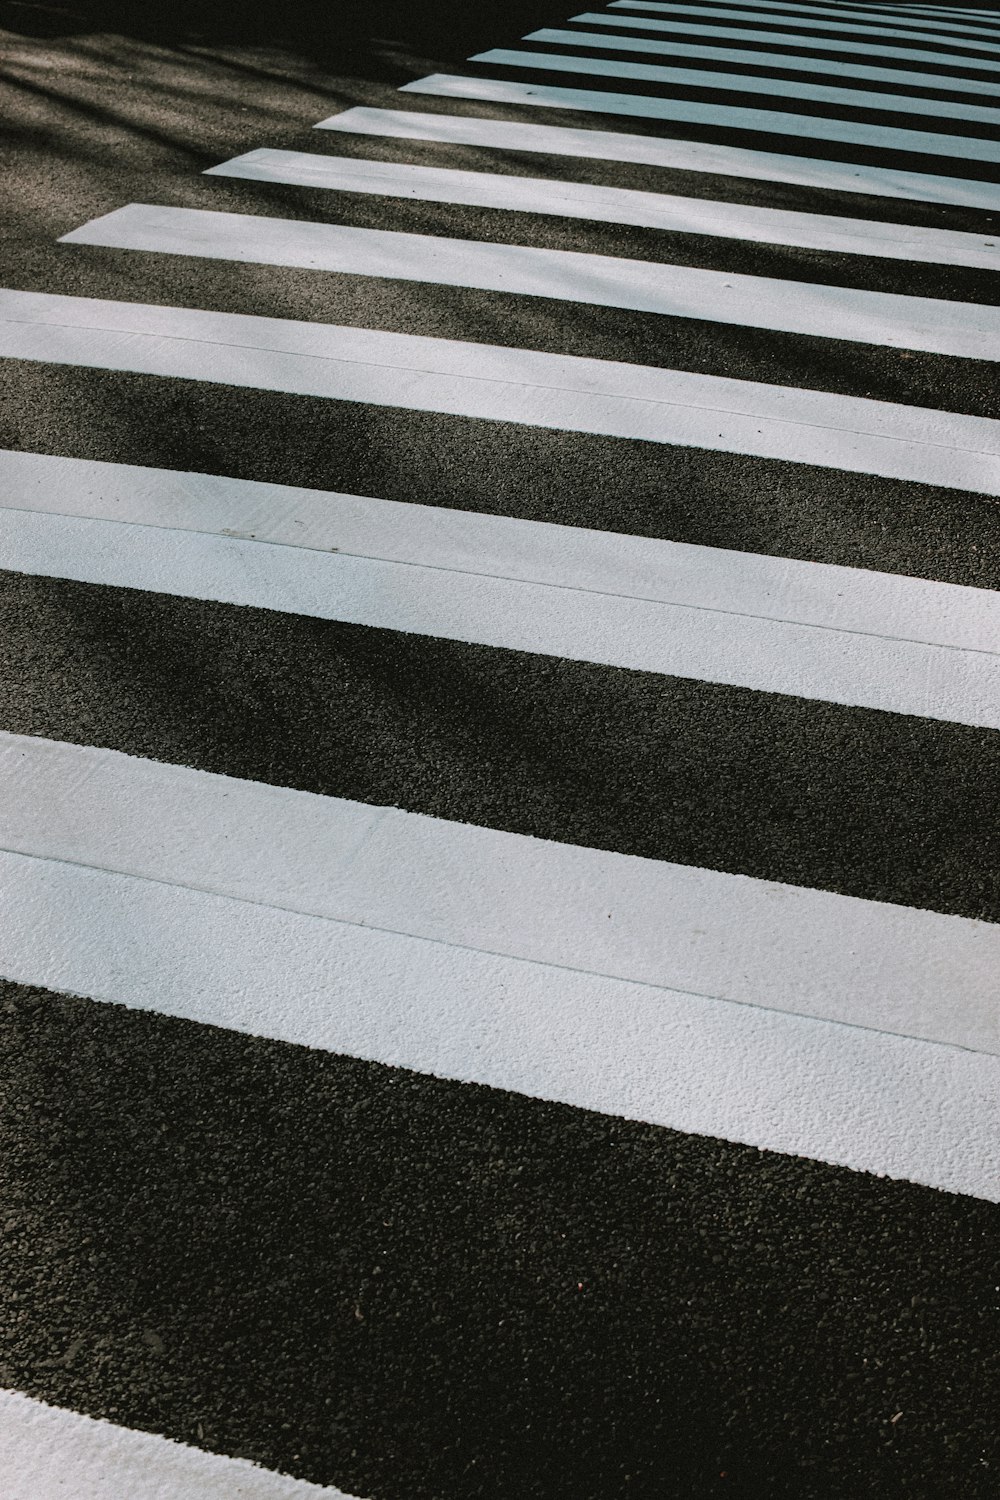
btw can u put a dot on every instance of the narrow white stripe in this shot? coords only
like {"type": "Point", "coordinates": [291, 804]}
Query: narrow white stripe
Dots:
{"type": "Point", "coordinates": [50, 1454]}
{"type": "Point", "coordinates": [928, 31]}
{"type": "Point", "coordinates": [937, 108]}
{"type": "Point", "coordinates": [802, 11]}
{"type": "Point", "coordinates": [491, 382]}
{"type": "Point", "coordinates": [728, 937]}
{"type": "Point", "coordinates": [961, 329]}
{"type": "Point", "coordinates": [767, 655]}
{"type": "Point", "coordinates": [851, 49]}
{"type": "Point", "coordinates": [648, 107]}
{"type": "Point", "coordinates": [813, 127]}
{"type": "Point", "coordinates": [503, 547]}
{"type": "Point", "coordinates": [611, 205]}
{"type": "Point", "coordinates": [874, 1102]}
{"type": "Point", "coordinates": [689, 156]}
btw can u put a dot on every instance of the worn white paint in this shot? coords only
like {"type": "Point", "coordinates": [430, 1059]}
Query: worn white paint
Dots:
{"type": "Point", "coordinates": [846, 61]}
{"type": "Point", "coordinates": [843, 1094]}
{"type": "Point", "coordinates": [927, 31]}
{"type": "Point", "coordinates": [611, 205]}
{"type": "Point", "coordinates": [688, 156]}
{"type": "Point", "coordinates": [692, 112]}
{"type": "Point", "coordinates": [497, 383]}
{"type": "Point", "coordinates": [47, 1453]}
{"type": "Point", "coordinates": [807, 127]}
{"type": "Point", "coordinates": [676, 927]}
{"type": "Point", "coordinates": [783, 88]}
{"type": "Point", "coordinates": [964, 330]}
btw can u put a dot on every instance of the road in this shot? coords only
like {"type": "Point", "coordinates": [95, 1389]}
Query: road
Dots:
{"type": "Point", "coordinates": [499, 723]}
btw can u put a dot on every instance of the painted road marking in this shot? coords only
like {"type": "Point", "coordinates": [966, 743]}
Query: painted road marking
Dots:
{"type": "Point", "coordinates": [848, 51]}
{"type": "Point", "coordinates": [610, 205]}
{"type": "Point", "coordinates": [711, 645]}
{"type": "Point", "coordinates": [835, 1093]}
{"type": "Point", "coordinates": [46, 1451]}
{"type": "Point", "coordinates": [793, 949]}
{"type": "Point", "coordinates": [491, 382]}
{"type": "Point", "coordinates": [944, 109]}
{"type": "Point", "coordinates": [649, 107]}
{"type": "Point", "coordinates": [688, 156]}
{"type": "Point", "coordinates": [962, 329]}
{"type": "Point", "coordinates": [885, 137]}
{"type": "Point", "coordinates": [926, 31]}
{"type": "Point", "coordinates": [507, 548]}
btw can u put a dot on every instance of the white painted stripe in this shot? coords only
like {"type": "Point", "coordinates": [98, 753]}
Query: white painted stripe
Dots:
{"type": "Point", "coordinates": [823, 663]}
{"type": "Point", "coordinates": [689, 156]}
{"type": "Point", "coordinates": [823, 66]}
{"type": "Point", "coordinates": [928, 31]}
{"type": "Point", "coordinates": [611, 205]}
{"type": "Point", "coordinates": [885, 137]}
{"type": "Point", "coordinates": [495, 383]}
{"type": "Point", "coordinates": [874, 1102]}
{"type": "Point", "coordinates": [847, 51]}
{"type": "Point", "coordinates": [964, 330]}
{"type": "Point", "coordinates": [803, 10]}
{"type": "Point", "coordinates": [504, 547]}
{"type": "Point", "coordinates": [801, 951]}
{"type": "Point", "coordinates": [50, 1454]}
{"type": "Point", "coordinates": [691, 112]}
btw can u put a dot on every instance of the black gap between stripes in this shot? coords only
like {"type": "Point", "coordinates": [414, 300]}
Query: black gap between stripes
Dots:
{"type": "Point", "coordinates": [425, 1290]}
{"type": "Point", "coordinates": [575, 479]}
{"type": "Point", "coordinates": [862, 802]}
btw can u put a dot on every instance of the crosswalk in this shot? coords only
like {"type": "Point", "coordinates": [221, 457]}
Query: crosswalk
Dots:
{"type": "Point", "coordinates": [551, 744]}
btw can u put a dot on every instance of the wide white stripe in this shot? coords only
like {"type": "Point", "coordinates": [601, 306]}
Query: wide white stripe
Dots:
{"type": "Point", "coordinates": [799, 11]}
{"type": "Point", "coordinates": [716, 645]}
{"type": "Point", "coordinates": [890, 138]}
{"type": "Point", "coordinates": [504, 547]}
{"type": "Point", "coordinates": [962, 329]}
{"type": "Point", "coordinates": [728, 937]}
{"type": "Point", "coordinates": [929, 32]}
{"type": "Point", "coordinates": [866, 1100]}
{"type": "Point", "coordinates": [691, 112]}
{"type": "Point", "coordinates": [50, 1454]}
{"type": "Point", "coordinates": [823, 66]}
{"type": "Point", "coordinates": [847, 51]}
{"type": "Point", "coordinates": [611, 205]}
{"type": "Point", "coordinates": [495, 383]}
{"type": "Point", "coordinates": [689, 156]}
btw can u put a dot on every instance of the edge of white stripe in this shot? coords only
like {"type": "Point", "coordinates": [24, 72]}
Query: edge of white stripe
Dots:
{"type": "Point", "coordinates": [49, 1453]}
{"type": "Point", "coordinates": [861, 1099]}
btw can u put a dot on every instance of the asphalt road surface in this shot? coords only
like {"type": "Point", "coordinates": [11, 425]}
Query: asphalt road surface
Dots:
{"type": "Point", "coordinates": [500, 751]}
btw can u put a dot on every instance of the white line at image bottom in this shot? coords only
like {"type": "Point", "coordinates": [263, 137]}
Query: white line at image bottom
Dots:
{"type": "Point", "coordinates": [496, 383]}
{"type": "Point", "coordinates": [685, 156]}
{"type": "Point", "coordinates": [48, 1453]}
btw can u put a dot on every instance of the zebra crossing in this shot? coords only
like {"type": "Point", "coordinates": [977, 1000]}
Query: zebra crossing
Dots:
{"type": "Point", "coordinates": [562, 715]}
